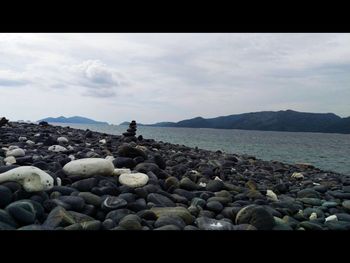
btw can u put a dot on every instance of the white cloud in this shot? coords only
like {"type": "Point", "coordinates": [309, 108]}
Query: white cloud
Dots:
{"type": "Point", "coordinates": [173, 76]}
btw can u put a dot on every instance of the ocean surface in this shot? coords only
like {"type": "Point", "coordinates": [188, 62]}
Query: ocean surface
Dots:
{"type": "Point", "coordinates": [330, 152]}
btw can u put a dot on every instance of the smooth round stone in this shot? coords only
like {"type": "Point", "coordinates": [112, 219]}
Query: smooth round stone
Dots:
{"type": "Point", "coordinates": [343, 217]}
{"type": "Point", "coordinates": [124, 162]}
{"type": "Point", "coordinates": [310, 201]}
{"type": "Point", "coordinates": [215, 206]}
{"type": "Point", "coordinates": [117, 215]}
{"type": "Point", "coordinates": [215, 186]}
{"type": "Point", "coordinates": [138, 205]}
{"type": "Point", "coordinates": [16, 153]}
{"type": "Point", "coordinates": [41, 165]}
{"type": "Point", "coordinates": [113, 202]}
{"type": "Point", "coordinates": [108, 224]}
{"type": "Point", "coordinates": [134, 179]}
{"type": "Point", "coordinates": [147, 167]}
{"type": "Point", "coordinates": [131, 222]}
{"type": "Point", "coordinates": [205, 223]}
{"type": "Point", "coordinates": [62, 140]}
{"type": "Point", "coordinates": [6, 218]}
{"type": "Point", "coordinates": [188, 184]}
{"type": "Point", "coordinates": [220, 199]}
{"type": "Point", "coordinates": [141, 192]}
{"type": "Point", "coordinates": [57, 148]}
{"type": "Point", "coordinates": [147, 215]}
{"type": "Point", "coordinates": [330, 204]}
{"type": "Point", "coordinates": [320, 188]}
{"type": "Point", "coordinates": [310, 193]}
{"type": "Point", "coordinates": [280, 188]}
{"type": "Point", "coordinates": [338, 225]}
{"type": "Point", "coordinates": [91, 198]}
{"type": "Point", "coordinates": [23, 211]}
{"type": "Point", "coordinates": [120, 171]}
{"type": "Point", "coordinates": [160, 200]}
{"type": "Point", "coordinates": [167, 228]}
{"type": "Point", "coordinates": [170, 220]}
{"type": "Point", "coordinates": [187, 194]}
{"type": "Point", "coordinates": [127, 150]}
{"type": "Point", "coordinates": [10, 160]}
{"type": "Point", "coordinates": [346, 205]}
{"type": "Point", "coordinates": [174, 211]}
{"type": "Point", "coordinates": [64, 190]}
{"type": "Point", "coordinates": [158, 159]}
{"type": "Point", "coordinates": [77, 203]}
{"type": "Point", "coordinates": [5, 196]}
{"type": "Point", "coordinates": [171, 182]}
{"type": "Point", "coordinates": [88, 167]}
{"type": "Point", "coordinates": [256, 216]}
{"type": "Point", "coordinates": [85, 185]}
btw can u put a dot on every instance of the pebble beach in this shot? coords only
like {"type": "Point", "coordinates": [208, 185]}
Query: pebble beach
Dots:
{"type": "Point", "coordinates": [60, 178]}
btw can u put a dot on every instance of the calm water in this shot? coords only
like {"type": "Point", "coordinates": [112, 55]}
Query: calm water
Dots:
{"type": "Point", "coordinates": [325, 151]}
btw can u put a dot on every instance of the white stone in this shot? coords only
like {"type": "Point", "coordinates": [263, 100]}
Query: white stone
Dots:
{"type": "Point", "coordinates": [40, 143]}
{"type": "Point", "coordinates": [313, 216]}
{"type": "Point", "coordinates": [29, 142]}
{"type": "Point", "coordinates": [87, 144]}
{"type": "Point", "coordinates": [109, 158]}
{"type": "Point", "coordinates": [22, 139]}
{"type": "Point", "coordinates": [316, 184]}
{"type": "Point", "coordinates": [72, 157]}
{"type": "Point", "coordinates": [62, 139]}
{"type": "Point", "coordinates": [57, 148]}
{"type": "Point", "coordinates": [202, 184]}
{"type": "Point", "coordinates": [194, 172]}
{"type": "Point", "coordinates": [298, 175]}
{"type": "Point", "coordinates": [332, 218]}
{"type": "Point", "coordinates": [31, 178]}
{"type": "Point", "coordinates": [155, 149]}
{"type": "Point", "coordinates": [119, 171]}
{"type": "Point", "coordinates": [271, 195]}
{"type": "Point", "coordinates": [10, 160]}
{"type": "Point", "coordinates": [142, 148]}
{"type": "Point", "coordinates": [133, 180]}
{"type": "Point", "coordinates": [70, 147]}
{"type": "Point", "coordinates": [16, 152]}
{"type": "Point", "coordinates": [12, 147]}
{"type": "Point", "coordinates": [37, 135]}
{"type": "Point", "coordinates": [59, 182]}
{"type": "Point", "coordinates": [217, 178]}
{"type": "Point", "coordinates": [103, 141]}
{"type": "Point", "coordinates": [87, 167]}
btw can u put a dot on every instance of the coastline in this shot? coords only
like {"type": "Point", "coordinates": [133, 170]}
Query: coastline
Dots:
{"type": "Point", "coordinates": [187, 188]}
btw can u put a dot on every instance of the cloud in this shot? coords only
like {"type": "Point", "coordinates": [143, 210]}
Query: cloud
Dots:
{"type": "Point", "coordinates": [10, 78]}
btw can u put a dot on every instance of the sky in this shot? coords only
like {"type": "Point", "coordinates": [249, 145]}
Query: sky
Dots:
{"type": "Point", "coordinates": [153, 77]}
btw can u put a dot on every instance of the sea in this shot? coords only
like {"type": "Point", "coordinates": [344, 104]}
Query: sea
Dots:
{"type": "Point", "coordinates": [327, 151]}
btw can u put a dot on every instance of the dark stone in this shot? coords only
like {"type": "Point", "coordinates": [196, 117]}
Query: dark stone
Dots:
{"type": "Point", "coordinates": [59, 217]}
{"type": "Point", "coordinates": [343, 217]}
{"type": "Point", "coordinates": [25, 160]}
{"type": "Point", "coordinates": [158, 159]}
{"type": "Point", "coordinates": [171, 182]}
{"type": "Point", "coordinates": [160, 200]}
{"type": "Point", "coordinates": [141, 192]}
{"type": "Point", "coordinates": [131, 222]}
{"type": "Point", "coordinates": [112, 203]}
{"type": "Point", "coordinates": [91, 225]}
{"type": "Point", "coordinates": [147, 215]}
{"type": "Point", "coordinates": [309, 193]}
{"type": "Point", "coordinates": [25, 212]}
{"type": "Point", "coordinates": [147, 167]}
{"type": "Point", "coordinates": [187, 184]}
{"type": "Point", "coordinates": [6, 218]}
{"type": "Point", "coordinates": [307, 225]}
{"type": "Point", "coordinates": [256, 216]}
{"type": "Point", "coordinates": [215, 206]}
{"type": "Point", "coordinates": [198, 202]}
{"type": "Point", "coordinates": [117, 215]}
{"type": "Point", "coordinates": [167, 228]}
{"type": "Point", "coordinates": [108, 224]}
{"type": "Point", "coordinates": [138, 205]}
{"type": "Point", "coordinates": [215, 186]}
{"type": "Point", "coordinates": [320, 188]}
{"type": "Point", "coordinates": [91, 198]}
{"type": "Point", "coordinates": [338, 225]}
{"type": "Point", "coordinates": [5, 196]}
{"type": "Point", "coordinates": [13, 186]}
{"type": "Point", "coordinates": [187, 194]}
{"type": "Point", "coordinates": [41, 165]}
{"type": "Point", "coordinates": [126, 150]}
{"type": "Point", "coordinates": [170, 220]}
{"type": "Point", "coordinates": [6, 168]}
{"type": "Point", "coordinates": [124, 162]}
{"type": "Point", "coordinates": [85, 185]}
{"type": "Point", "coordinates": [128, 197]}
{"type": "Point", "coordinates": [76, 202]}
{"type": "Point", "coordinates": [64, 190]}
{"type": "Point", "coordinates": [4, 226]}
{"type": "Point", "coordinates": [280, 188]}
{"type": "Point", "coordinates": [139, 159]}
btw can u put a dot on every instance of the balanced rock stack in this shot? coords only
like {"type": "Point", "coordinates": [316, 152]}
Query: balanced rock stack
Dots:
{"type": "Point", "coordinates": [3, 121]}
{"type": "Point", "coordinates": [131, 132]}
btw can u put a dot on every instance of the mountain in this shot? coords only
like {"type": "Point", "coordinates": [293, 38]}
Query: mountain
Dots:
{"type": "Point", "coordinates": [287, 120]}
{"type": "Point", "coordinates": [74, 119]}
{"type": "Point", "coordinates": [128, 122]}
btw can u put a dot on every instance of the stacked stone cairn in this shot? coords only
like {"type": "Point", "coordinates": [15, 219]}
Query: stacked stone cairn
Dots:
{"type": "Point", "coordinates": [3, 121]}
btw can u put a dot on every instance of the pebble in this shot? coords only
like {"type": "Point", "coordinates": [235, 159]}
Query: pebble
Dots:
{"type": "Point", "coordinates": [205, 223]}
{"type": "Point", "coordinates": [346, 205]}
{"type": "Point", "coordinates": [5, 196]}
{"type": "Point", "coordinates": [16, 153]}
{"type": "Point", "coordinates": [131, 222]}
{"type": "Point", "coordinates": [113, 202]}
{"type": "Point", "coordinates": [88, 167]}
{"type": "Point", "coordinates": [215, 206]}
{"type": "Point", "coordinates": [256, 216]}
{"type": "Point", "coordinates": [160, 200]}
{"type": "Point", "coordinates": [174, 211]}
{"type": "Point", "coordinates": [57, 148]}
{"type": "Point", "coordinates": [133, 179]}
{"type": "Point", "coordinates": [214, 186]}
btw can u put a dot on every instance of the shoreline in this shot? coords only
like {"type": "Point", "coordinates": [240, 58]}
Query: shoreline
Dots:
{"type": "Point", "coordinates": [186, 189]}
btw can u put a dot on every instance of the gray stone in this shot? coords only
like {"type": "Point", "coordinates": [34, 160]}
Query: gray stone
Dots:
{"type": "Point", "coordinates": [205, 223]}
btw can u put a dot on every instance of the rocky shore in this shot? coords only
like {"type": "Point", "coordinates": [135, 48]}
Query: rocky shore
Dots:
{"type": "Point", "coordinates": [59, 178]}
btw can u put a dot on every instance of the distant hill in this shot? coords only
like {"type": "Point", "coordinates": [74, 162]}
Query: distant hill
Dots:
{"type": "Point", "coordinates": [74, 119]}
{"type": "Point", "coordinates": [128, 122]}
{"type": "Point", "coordinates": [287, 120]}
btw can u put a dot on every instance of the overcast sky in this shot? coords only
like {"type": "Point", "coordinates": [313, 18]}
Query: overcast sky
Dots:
{"type": "Point", "coordinates": [169, 77]}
